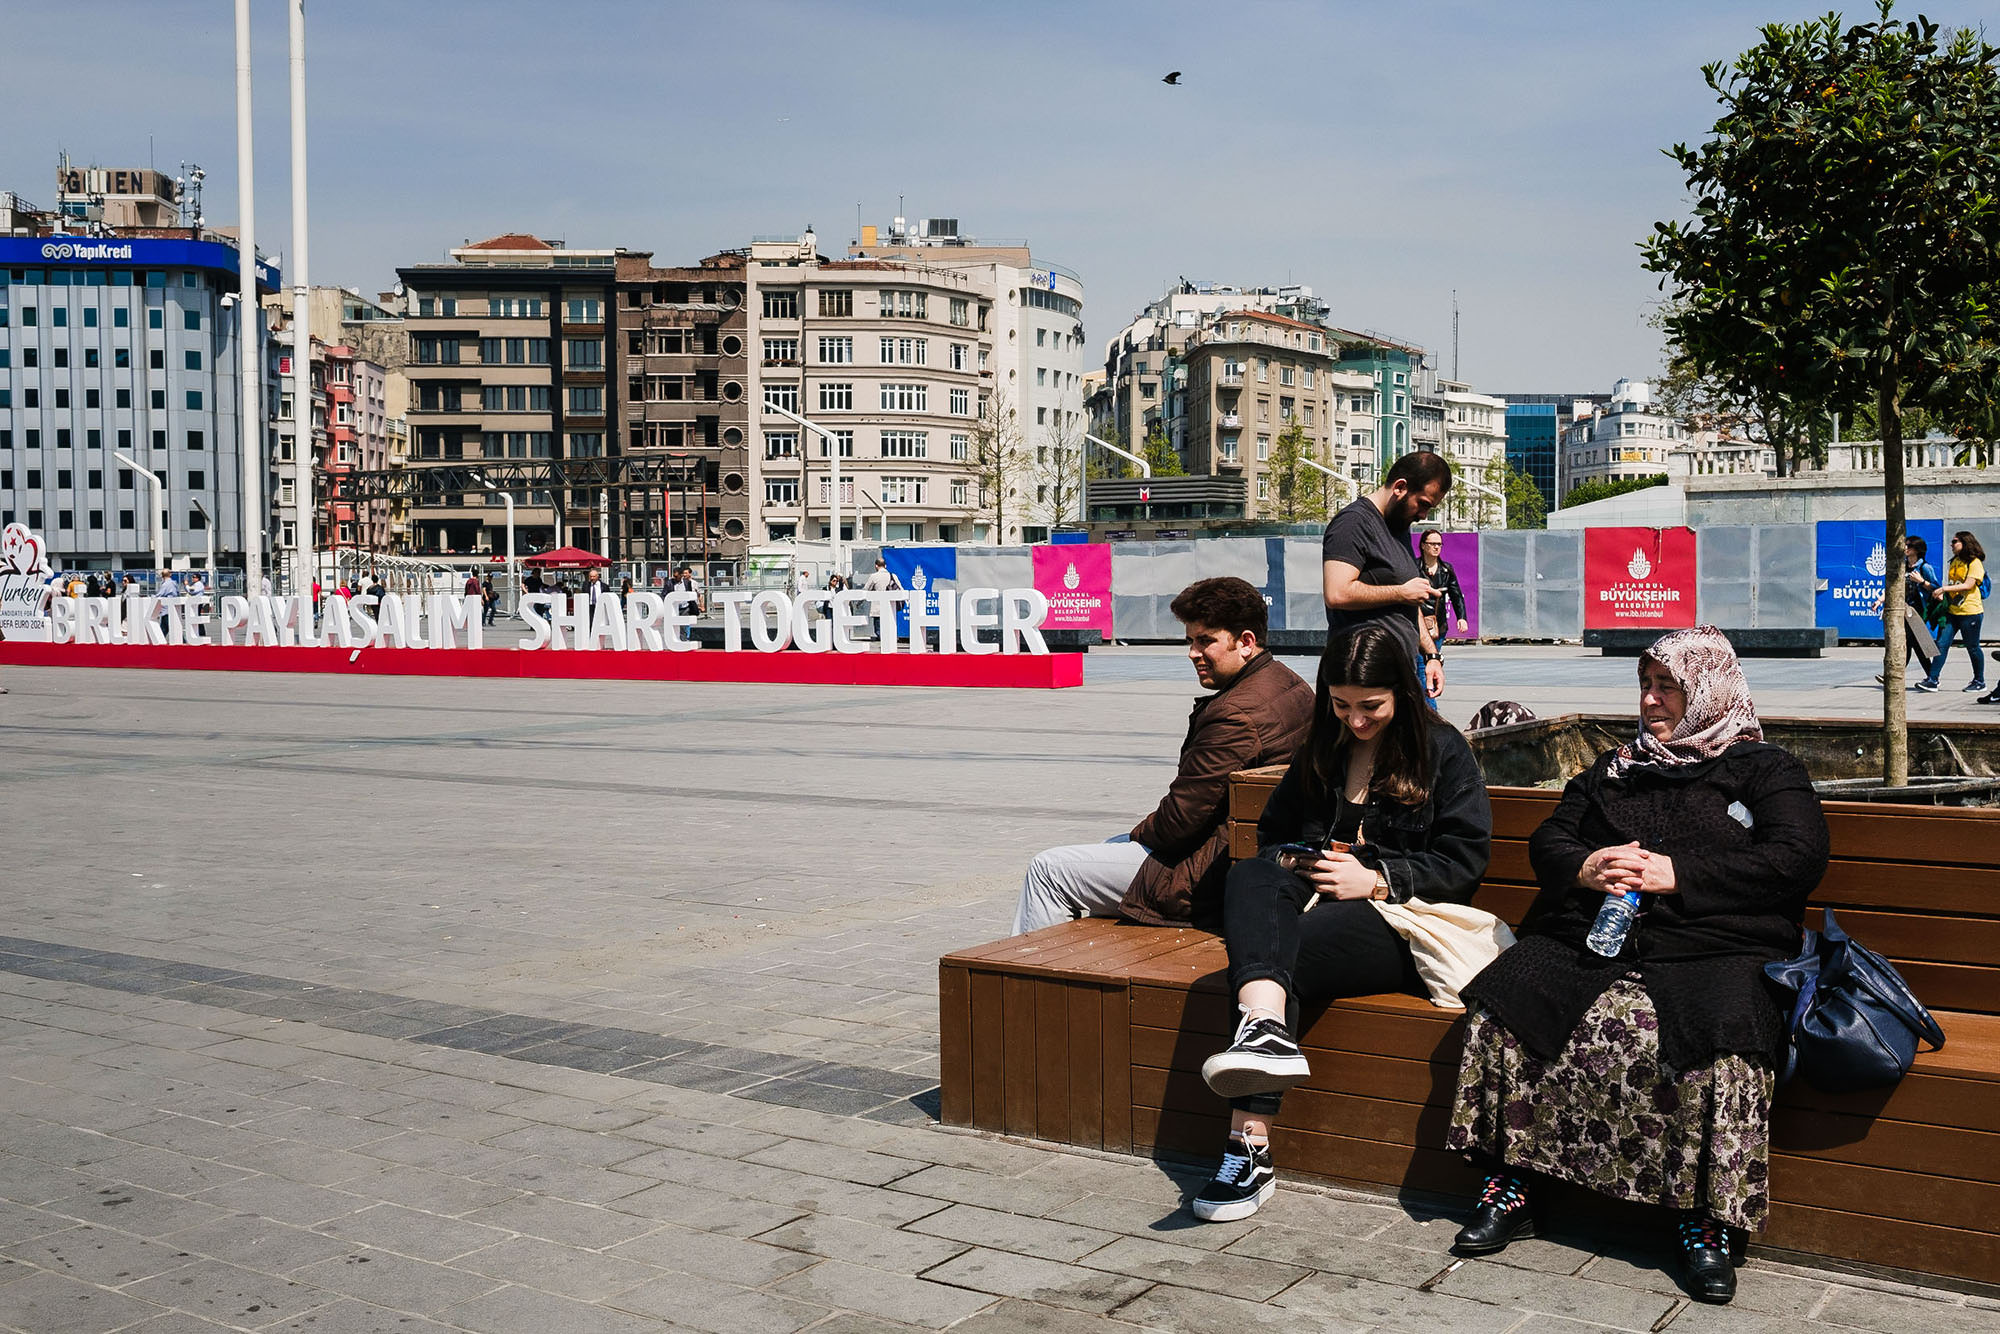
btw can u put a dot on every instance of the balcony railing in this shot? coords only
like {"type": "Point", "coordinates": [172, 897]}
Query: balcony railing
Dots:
{"type": "Point", "coordinates": [1232, 421]}
{"type": "Point", "coordinates": [1230, 379]}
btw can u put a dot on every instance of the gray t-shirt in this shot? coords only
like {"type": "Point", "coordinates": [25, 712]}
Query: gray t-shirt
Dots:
{"type": "Point", "coordinates": [1360, 536]}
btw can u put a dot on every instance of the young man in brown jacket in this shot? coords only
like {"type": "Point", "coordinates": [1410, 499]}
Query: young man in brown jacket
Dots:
{"type": "Point", "coordinates": [1170, 867]}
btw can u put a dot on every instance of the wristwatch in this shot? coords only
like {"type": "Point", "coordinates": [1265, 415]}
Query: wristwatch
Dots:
{"type": "Point", "coordinates": [1434, 657]}
{"type": "Point", "coordinates": [1381, 885]}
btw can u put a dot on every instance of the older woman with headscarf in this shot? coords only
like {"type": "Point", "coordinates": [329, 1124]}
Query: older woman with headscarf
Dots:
{"type": "Point", "coordinates": [1646, 1074]}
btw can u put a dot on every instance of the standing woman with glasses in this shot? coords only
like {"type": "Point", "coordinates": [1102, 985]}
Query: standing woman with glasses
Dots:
{"type": "Point", "coordinates": [1434, 567]}
{"type": "Point", "coordinates": [1965, 608]}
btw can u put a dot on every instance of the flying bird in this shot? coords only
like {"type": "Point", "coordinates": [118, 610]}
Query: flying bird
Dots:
{"type": "Point", "coordinates": [1173, 78]}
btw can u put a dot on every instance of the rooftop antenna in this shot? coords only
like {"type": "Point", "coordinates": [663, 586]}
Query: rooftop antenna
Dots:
{"type": "Point", "coordinates": [1454, 333]}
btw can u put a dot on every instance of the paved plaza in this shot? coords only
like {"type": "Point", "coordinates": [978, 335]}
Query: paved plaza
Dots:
{"type": "Point", "coordinates": [336, 1005]}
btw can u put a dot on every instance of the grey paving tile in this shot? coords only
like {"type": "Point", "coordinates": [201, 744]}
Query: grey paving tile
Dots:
{"type": "Point", "coordinates": [395, 1281]}
{"type": "Point", "coordinates": [411, 1232]}
{"type": "Point", "coordinates": [20, 1224]}
{"type": "Point", "coordinates": [1184, 1266]}
{"type": "Point", "coordinates": [1161, 1221]}
{"type": "Point", "coordinates": [227, 1294]}
{"type": "Point", "coordinates": [174, 1322]}
{"type": "Point", "coordinates": [1366, 1302]}
{"type": "Point", "coordinates": [1347, 1255]}
{"type": "Point", "coordinates": [580, 1114]}
{"type": "Point", "coordinates": [525, 1311]}
{"type": "Point", "coordinates": [833, 1160]}
{"type": "Point", "coordinates": [166, 1171]}
{"type": "Point", "coordinates": [751, 1264]}
{"type": "Point", "coordinates": [1005, 1274]}
{"type": "Point", "coordinates": [431, 1191]}
{"type": "Point", "coordinates": [99, 1255]}
{"type": "Point", "coordinates": [1552, 1294]}
{"type": "Point", "coordinates": [28, 1181]}
{"type": "Point", "coordinates": [310, 1125]}
{"type": "Point", "coordinates": [857, 1243]}
{"type": "Point", "coordinates": [48, 1303]}
{"type": "Point", "coordinates": [1894, 1314]}
{"type": "Point", "coordinates": [255, 1242]}
{"type": "Point", "coordinates": [724, 1141]}
{"type": "Point", "coordinates": [1018, 1317]}
{"type": "Point", "coordinates": [968, 1187]}
{"type": "Point", "coordinates": [347, 1316]}
{"type": "Point", "coordinates": [588, 1226]}
{"type": "Point", "coordinates": [286, 1201]}
{"type": "Point", "coordinates": [134, 1209]}
{"type": "Point", "coordinates": [565, 1180]}
{"type": "Point", "coordinates": [1186, 1311]}
{"type": "Point", "coordinates": [815, 1096]}
{"type": "Point", "coordinates": [438, 1153]}
{"type": "Point", "coordinates": [1047, 1239]}
{"type": "Point", "coordinates": [717, 1308]}
{"type": "Point", "coordinates": [913, 1301]}
{"type": "Point", "coordinates": [564, 1270]}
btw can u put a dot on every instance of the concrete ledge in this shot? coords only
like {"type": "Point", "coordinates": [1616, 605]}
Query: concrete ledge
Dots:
{"type": "Point", "coordinates": [1059, 641]}
{"type": "Point", "coordinates": [1800, 641]}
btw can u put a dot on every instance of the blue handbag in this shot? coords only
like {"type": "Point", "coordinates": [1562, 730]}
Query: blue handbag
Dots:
{"type": "Point", "coordinates": [1855, 1024]}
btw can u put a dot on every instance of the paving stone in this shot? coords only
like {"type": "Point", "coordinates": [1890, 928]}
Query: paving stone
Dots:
{"type": "Point", "coordinates": [515, 1310]}
{"type": "Point", "coordinates": [411, 1232]}
{"type": "Point", "coordinates": [1008, 1275]}
{"type": "Point", "coordinates": [717, 1308]}
{"type": "Point", "coordinates": [810, 1194]}
{"type": "Point", "coordinates": [1552, 1294]}
{"type": "Point", "coordinates": [1893, 1314]}
{"type": "Point", "coordinates": [1757, 1289]}
{"type": "Point", "coordinates": [347, 1316]}
{"type": "Point", "coordinates": [447, 1119]}
{"type": "Point", "coordinates": [433, 1192]}
{"type": "Point", "coordinates": [584, 1225]}
{"type": "Point", "coordinates": [255, 1242]}
{"type": "Point", "coordinates": [46, 1303]}
{"type": "Point", "coordinates": [1187, 1311]}
{"type": "Point", "coordinates": [565, 1180]}
{"type": "Point", "coordinates": [228, 1294]}
{"type": "Point", "coordinates": [1048, 1239]}
{"type": "Point", "coordinates": [574, 1113]}
{"type": "Point", "coordinates": [99, 1255]}
{"type": "Point", "coordinates": [310, 1125]}
{"type": "Point", "coordinates": [175, 1322]}
{"type": "Point", "coordinates": [285, 1201]}
{"type": "Point", "coordinates": [20, 1224]}
{"type": "Point", "coordinates": [1165, 1222]}
{"type": "Point", "coordinates": [438, 1153]}
{"type": "Point", "coordinates": [913, 1301]}
{"type": "Point", "coordinates": [1341, 1255]}
{"type": "Point", "coordinates": [166, 1171]}
{"type": "Point", "coordinates": [395, 1281]}
{"type": "Point", "coordinates": [26, 1181]}
{"type": "Point", "coordinates": [1019, 1317]}
{"type": "Point", "coordinates": [134, 1209]}
{"type": "Point", "coordinates": [863, 1244]}
{"type": "Point", "coordinates": [723, 1141]}
{"type": "Point", "coordinates": [563, 1270]}
{"type": "Point", "coordinates": [832, 1160]}
{"type": "Point", "coordinates": [751, 1264]}
{"type": "Point", "coordinates": [968, 1187]}
{"type": "Point", "coordinates": [1187, 1267]}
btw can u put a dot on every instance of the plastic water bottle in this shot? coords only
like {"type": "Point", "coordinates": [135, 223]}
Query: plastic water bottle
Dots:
{"type": "Point", "coordinates": [1614, 922]}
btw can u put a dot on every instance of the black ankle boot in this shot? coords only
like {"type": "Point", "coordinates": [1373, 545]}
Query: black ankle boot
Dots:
{"type": "Point", "coordinates": [1705, 1257]}
{"type": "Point", "coordinates": [1500, 1215]}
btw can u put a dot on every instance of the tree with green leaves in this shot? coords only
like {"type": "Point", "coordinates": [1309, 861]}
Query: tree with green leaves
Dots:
{"type": "Point", "coordinates": [1739, 399]}
{"type": "Point", "coordinates": [1526, 506]}
{"type": "Point", "coordinates": [1844, 238]}
{"type": "Point", "coordinates": [1298, 492]}
{"type": "Point", "coordinates": [1161, 454]}
{"type": "Point", "coordinates": [1603, 489]}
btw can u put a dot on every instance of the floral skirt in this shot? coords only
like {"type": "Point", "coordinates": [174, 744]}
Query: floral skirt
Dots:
{"type": "Point", "coordinates": [1605, 1114]}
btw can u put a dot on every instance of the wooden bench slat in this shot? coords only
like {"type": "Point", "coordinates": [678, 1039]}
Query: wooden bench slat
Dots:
{"type": "Point", "coordinates": [1017, 1022]}
{"type": "Point", "coordinates": [989, 1047]}
{"type": "Point", "coordinates": [1064, 938]}
{"type": "Point", "coordinates": [1085, 1017]}
{"type": "Point", "coordinates": [954, 1046]}
{"type": "Point", "coordinates": [1896, 1242]}
{"type": "Point", "coordinates": [1966, 941]}
{"type": "Point", "coordinates": [1885, 1193]}
{"type": "Point", "coordinates": [1052, 1089]}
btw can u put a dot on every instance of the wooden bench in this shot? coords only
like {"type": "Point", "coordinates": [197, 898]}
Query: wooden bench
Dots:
{"type": "Point", "coordinates": [1771, 641]}
{"type": "Point", "coordinates": [1093, 1033]}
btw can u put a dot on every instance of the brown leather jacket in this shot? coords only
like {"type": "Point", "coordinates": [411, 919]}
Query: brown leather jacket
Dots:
{"type": "Point", "coordinates": [1259, 718]}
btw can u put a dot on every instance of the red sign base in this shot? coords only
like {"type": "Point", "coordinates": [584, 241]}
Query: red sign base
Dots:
{"type": "Point", "coordinates": [1016, 671]}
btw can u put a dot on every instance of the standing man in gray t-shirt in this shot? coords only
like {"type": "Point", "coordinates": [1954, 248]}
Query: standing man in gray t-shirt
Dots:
{"type": "Point", "coordinates": [1370, 572]}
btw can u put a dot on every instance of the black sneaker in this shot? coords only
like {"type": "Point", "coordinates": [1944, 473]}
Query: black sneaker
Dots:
{"type": "Point", "coordinates": [1976, 685]}
{"type": "Point", "coordinates": [1262, 1059]}
{"type": "Point", "coordinates": [1925, 688]}
{"type": "Point", "coordinates": [1240, 1186]}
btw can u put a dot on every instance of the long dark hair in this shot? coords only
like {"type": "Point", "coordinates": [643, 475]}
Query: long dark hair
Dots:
{"type": "Point", "coordinates": [1969, 547]}
{"type": "Point", "coordinates": [1372, 655]}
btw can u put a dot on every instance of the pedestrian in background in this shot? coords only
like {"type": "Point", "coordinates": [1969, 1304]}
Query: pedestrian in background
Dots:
{"type": "Point", "coordinates": [1434, 567]}
{"type": "Point", "coordinates": [1964, 591]}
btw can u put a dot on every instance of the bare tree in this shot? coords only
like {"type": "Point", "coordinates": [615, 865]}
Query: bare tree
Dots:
{"type": "Point", "coordinates": [1059, 472]}
{"type": "Point", "coordinates": [998, 461]}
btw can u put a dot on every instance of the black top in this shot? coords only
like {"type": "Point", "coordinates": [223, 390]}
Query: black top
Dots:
{"type": "Point", "coordinates": [1360, 536]}
{"type": "Point", "coordinates": [1749, 844]}
{"type": "Point", "coordinates": [1435, 851]}
{"type": "Point", "coordinates": [1445, 581]}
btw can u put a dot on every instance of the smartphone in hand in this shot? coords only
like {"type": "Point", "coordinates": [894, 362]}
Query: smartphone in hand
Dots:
{"type": "Point", "coordinates": [1299, 856]}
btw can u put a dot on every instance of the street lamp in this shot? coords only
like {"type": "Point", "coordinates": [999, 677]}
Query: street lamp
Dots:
{"type": "Point", "coordinates": [208, 530]}
{"type": "Point", "coordinates": [507, 499]}
{"type": "Point", "coordinates": [159, 510]}
{"type": "Point", "coordinates": [833, 452]}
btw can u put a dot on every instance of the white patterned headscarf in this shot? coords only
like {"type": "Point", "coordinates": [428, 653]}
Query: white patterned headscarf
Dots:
{"type": "Point", "coordinates": [1719, 714]}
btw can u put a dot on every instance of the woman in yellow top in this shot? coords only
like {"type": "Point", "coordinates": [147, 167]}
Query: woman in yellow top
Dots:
{"type": "Point", "coordinates": [1964, 610]}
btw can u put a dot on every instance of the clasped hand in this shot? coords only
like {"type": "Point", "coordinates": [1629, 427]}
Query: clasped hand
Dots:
{"type": "Point", "coordinates": [1628, 868]}
{"type": "Point", "coordinates": [1340, 875]}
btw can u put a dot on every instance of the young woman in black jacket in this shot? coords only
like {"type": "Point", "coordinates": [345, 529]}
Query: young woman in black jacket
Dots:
{"type": "Point", "coordinates": [1647, 1074]}
{"type": "Point", "coordinates": [1384, 802]}
{"type": "Point", "coordinates": [1449, 598]}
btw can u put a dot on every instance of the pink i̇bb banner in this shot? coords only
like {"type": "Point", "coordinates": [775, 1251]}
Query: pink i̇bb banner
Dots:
{"type": "Point", "coordinates": [1638, 578]}
{"type": "Point", "coordinates": [1076, 579]}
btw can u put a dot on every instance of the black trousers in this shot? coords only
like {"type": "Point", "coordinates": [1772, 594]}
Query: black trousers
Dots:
{"type": "Point", "coordinates": [1341, 948]}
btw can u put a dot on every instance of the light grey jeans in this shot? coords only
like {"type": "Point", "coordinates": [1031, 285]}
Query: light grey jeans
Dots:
{"type": "Point", "coordinates": [1082, 880]}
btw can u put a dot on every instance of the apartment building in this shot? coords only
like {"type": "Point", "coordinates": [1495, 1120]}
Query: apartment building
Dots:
{"type": "Point", "coordinates": [509, 361]}
{"type": "Point", "coordinates": [895, 358]}
{"type": "Point", "coordinates": [1397, 369]}
{"type": "Point", "coordinates": [685, 335]}
{"type": "Point", "coordinates": [1475, 437]}
{"type": "Point", "coordinates": [1251, 375]}
{"type": "Point", "coordinates": [1621, 439]}
{"type": "Point", "coordinates": [1037, 358]}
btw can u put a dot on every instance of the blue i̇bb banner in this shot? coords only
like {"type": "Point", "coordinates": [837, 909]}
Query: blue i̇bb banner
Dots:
{"type": "Point", "coordinates": [920, 569]}
{"type": "Point", "coordinates": [1851, 559]}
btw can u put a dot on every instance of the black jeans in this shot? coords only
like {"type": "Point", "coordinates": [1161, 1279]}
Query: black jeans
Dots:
{"type": "Point", "coordinates": [1341, 948]}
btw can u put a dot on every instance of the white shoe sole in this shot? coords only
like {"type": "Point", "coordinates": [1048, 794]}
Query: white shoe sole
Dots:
{"type": "Point", "coordinates": [1231, 1076]}
{"type": "Point", "coordinates": [1235, 1209]}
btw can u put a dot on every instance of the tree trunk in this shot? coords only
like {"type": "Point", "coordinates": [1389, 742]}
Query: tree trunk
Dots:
{"type": "Point", "coordinates": [1895, 717]}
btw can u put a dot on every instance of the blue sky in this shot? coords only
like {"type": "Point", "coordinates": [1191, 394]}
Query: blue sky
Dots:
{"type": "Point", "coordinates": [1384, 154]}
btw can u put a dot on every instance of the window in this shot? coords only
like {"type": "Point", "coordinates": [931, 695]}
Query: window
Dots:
{"type": "Point", "coordinates": [836, 397]}
{"type": "Point", "coordinates": [1263, 368]}
{"type": "Point", "coordinates": [91, 399]}
{"type": "Point", "coordinates": [782, 350]}
{"type": "Point", "coordinates": [432, 350]}
{"type": "Point", "coordinates": [493, 398]}
{"type": "Point", "coordinates": [1229, 449]}
{"type": "Point", "coordinates": [59, 319]}
{"type": "Point", "coordinates": [515, 307]}
{"type": "Point", "coordinates": [903, 490]}
{"type": "Point", "coordinates": [155, 318]}
{"type": "Point", "coordinates": [840, 302]}
{"type": "Point", "coordinates": [781, 303]}
{"type": "Point", "coordinates": [960, 314]}
{"type": "Point", "coordinates": [158, 398]}
{"type": "Point", "coordinates": [62, 437]}
{"type": "Point", "coordinates": [904, 305]}
{"type": "Point", "coordinates": [845, 439]}
{"type": "Point", "coordinates": [784, 396]}
{"type": "Point", "coordinates": [835, 351]}
{"type": "Point", "coordinates": [64, 479]}
{"type": "Point", "coordinates": [846, 493]}
{"type": "Point", "coordinates": [958, 356]}
{"type": "Point", "coordinates": [961, 445]}
{"type": "Point", "coordinates": [586, 400]}
{"type": "Point", "coordinates": [583, 310]}
{"type": "Point", "coordinates": [1308, 377]}
{"type": "Point", "coordinates": [1309, 414]}
{"type": "Point", "coordinates": [62, 358]}
{"type": "Point", "coordinates": [781, 490]}
{"type": "Point", "coordinates": [90, 322]}
{"type": "Point", "coordinates": [190, 319]}
{"type": "Point", "coordinates": [156, 359]}
{"type": "Point", "coordinates": [191, 360]}
{"type": "Point", "coordinates": [1041, 416]}
{"type": "Point", "coordinates": [667, 342]}
{"type": "Point", "coordinates": [1284, 375]}
{"type": "Point", "coordinates": [121, 318]}
{"type": "Point", "coordinates": [903, 351]}
{"type": "Point", "coordinates": [121, 398]}
{"type": "Point", "coordinates": [586, 353]}
{"type": "Point", "coordinates": [1400, 405]}
{"type": "Point", "coordinates": [960, 491]}
{"type": "Point", "coordinates": [89, 358]}
{"type": "Point", "coordinates": [1042, 376]}
{"type": "Point", "coordinates": [30, 356]}
{"type": "Point", "coordinates": [904, 444]}
{"type": "Point", "coordinates": [666, 388]}
{"type": "Point", "coordinates": [197, 479]}
{"type": "Point", "coordinates": [121, 358]}
{"type": "Point", "coordinates": [96, 476]}
{"type": "Point", "coordinates": [905, 397]}
{"type": "Point", "coordinates": [1263, 488]}
{"type": "Point", "coordinates": [1285, 406]}
{"type": "Point", "coordinates": [195, 440]}
{"type": "Point", "coordinates": [586, 445]}
{"type": "Point", "coordinates": [781, 444]}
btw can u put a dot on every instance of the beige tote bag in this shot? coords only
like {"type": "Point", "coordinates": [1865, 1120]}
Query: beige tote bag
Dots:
{"type": "Point", "coordinates": [1450, 943]}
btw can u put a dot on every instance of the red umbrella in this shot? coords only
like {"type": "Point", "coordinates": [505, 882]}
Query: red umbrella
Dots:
{"type": "Point", "coordinates": [566, 558]}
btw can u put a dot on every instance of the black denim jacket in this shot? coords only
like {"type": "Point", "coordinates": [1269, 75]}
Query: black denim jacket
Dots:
{"type": "Point", "coordinates": [1436, 851]}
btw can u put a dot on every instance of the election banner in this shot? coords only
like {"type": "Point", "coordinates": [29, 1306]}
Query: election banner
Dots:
{"type": "Point", "coordinates": [1076, 579]}
{"type": "Point", "coordinates": [919, 569]}
{"type": "Point", "coordinates": [1638, 578]}
{"type": "Point", "coordinates": [1851, 558]}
